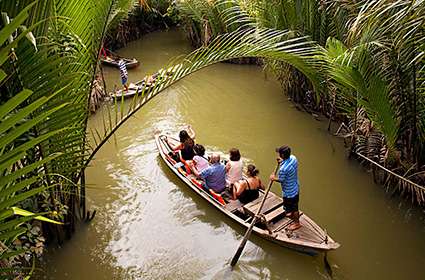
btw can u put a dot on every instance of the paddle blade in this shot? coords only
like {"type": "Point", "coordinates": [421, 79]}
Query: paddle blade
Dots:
{"type": "Point", "coordinates": [238, 253]}
{"type": "Point", "coordinates": [328, 267]}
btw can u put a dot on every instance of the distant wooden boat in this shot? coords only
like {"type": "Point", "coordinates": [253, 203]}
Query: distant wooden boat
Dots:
{"type": "Point", "coordinates": [273, 226]}
{"type": "Point", "coordinates": [144, 85]}
{"type": "Point", "coordinates": [113, 60]}
{"type": "Point", "coordinates": [133, 89]}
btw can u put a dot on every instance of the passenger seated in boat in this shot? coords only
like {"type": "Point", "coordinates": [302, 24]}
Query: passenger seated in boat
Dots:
{"type": "Point", "coordinates": [186, 144]}
{"type": "Point", "coordinates": [234, 167]}
{"type": "Point", "coordinates": [246, 190]}
{"type": "Point", "coordinates": [132, 86]}
{"type": "Point", "coordinates": [199, 162]}
{"type": "Point", "coordinates": [214, 176]}
{"type": "Point", "coordinates": [152, 78]}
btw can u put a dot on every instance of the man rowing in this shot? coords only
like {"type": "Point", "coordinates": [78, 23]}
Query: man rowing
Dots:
{"type": "Point", "coordinates": [288, 178]}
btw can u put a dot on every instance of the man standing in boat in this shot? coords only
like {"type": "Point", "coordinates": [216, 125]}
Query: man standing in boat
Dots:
{"type": "Point", "coordinates": [288, 178]}
{"type": "Point", "coordinates": [123, 73]}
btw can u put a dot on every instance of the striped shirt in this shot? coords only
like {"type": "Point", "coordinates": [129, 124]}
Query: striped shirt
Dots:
{"type": "Point", "coordinates": [288, 177]}
{"type": "Point", "coordinates": [123, 71]}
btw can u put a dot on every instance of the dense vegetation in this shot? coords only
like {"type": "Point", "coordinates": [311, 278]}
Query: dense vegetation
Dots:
{"type": "Point", "coordinates": [358, 62]}
{"type": "Point", "coordinates": [371, 71]}
{"type": "Point", "coordinates": [147, 17]}
{"type": "Point", "coordinates": [49, 57]}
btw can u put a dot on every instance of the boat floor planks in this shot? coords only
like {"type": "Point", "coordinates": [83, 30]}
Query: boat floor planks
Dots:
{"type": "Point", "coordinates": [272, 226]}
{"type": "Point", "coordinates": [271, 203]}
{"type": "Point", "coordinates": [274, 215]}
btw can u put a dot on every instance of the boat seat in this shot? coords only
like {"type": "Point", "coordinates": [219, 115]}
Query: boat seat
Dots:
{"type": "Point", "coordinates": [281, 223]}
{"type": "Point", "coordinates": [276, 213]}
{"type": "Point", "coordinates": [272, 202]}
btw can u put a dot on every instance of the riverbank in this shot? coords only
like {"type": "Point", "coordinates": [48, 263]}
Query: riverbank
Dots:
{"type": "Point", "coordinates": [150, 226]}
{"type": "Point", "coordinates": [381, 125]}
{"type": "Point", "coordinates": [141, 20]}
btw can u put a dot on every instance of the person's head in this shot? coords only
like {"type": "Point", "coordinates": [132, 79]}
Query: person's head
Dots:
{"type": "Point", "coordinates": [199, 150]}
{"type": "Point", "coordinates": [235, 155]}
{"type": "Point", "coordinates": [183, 135]}
{"type": "Point", "coordinates": [215, 158]}
{"type": "Point", "coordinates": [252, 170]}
{"type": "Point", "coordinates": [284, 152]}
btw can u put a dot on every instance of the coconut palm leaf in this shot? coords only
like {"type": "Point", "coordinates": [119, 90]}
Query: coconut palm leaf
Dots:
{"type": "Point", "coordinates": [14, 179]}
{"type": "Point", "coordinates": [16, 183]}
{"type": "Point", "coordinates": [393, 33]}
{"type": "Point", "coordinates": [353, 71]}
{"type": "Point", "coordinates": [64, 63]}
{"type": "Point", "coordinates": [212, 18]}
{"type": "Point", "coordinates": [279, 45]}
{"type": "Point", "coordinates": [22, 175]}
{"type": "Point", "coordinates": [421, 112]}
{"type": "Point", "coordinates": [120, 12]}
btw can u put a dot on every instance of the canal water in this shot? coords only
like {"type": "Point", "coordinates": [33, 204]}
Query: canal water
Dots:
{"type": "Point", "coordinates": [149, 225]}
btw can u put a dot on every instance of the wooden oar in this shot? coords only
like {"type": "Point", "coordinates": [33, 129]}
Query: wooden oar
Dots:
{"type": "Point", "coordinates": [254, 220]}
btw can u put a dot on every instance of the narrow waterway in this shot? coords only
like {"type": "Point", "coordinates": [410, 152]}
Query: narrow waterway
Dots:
{"type": "Point", "coordinates": [149, 225]}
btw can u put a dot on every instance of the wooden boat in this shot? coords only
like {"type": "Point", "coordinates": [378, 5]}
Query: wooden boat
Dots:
{"type": "Point", "coordinates": [273, 225]}
{"type": "Point", "coordinates": [144, 85]}
{"type": "Point", "coordinates": [113, 61]}
{"type": "Point", "coordinates": [133, 89]}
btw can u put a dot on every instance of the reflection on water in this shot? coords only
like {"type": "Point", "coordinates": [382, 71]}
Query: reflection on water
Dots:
{"type": "Point", "coordinates": [151, 226]}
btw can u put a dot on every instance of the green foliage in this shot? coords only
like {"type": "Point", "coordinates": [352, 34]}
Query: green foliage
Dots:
{"type": "Point", "coordinates": [120, 12]}
{"type": "Point", "coordinates": [17, 180]}
{"type": "Point", "coordinates": [208, 19]}
{"type": "Point", "coordinates": [44, 98]}
{"type": "Point", "coordinates": [247, 42]}
{"type": "Point", "coordinates": [369, 52]}
{"type": "Point", "coordinates": [372, 68]}
{"type": "Point", "coordinates": [361, 83]}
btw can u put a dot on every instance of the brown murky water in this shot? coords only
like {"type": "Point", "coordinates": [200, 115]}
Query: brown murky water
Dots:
{"type": "Point", "coordinates": [151, 226]}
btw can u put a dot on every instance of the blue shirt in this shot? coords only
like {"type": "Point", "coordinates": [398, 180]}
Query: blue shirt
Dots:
{"type": "Point", "coordinates": [215, 177]}
{"type": "Point", "coordinates": [288, 177]}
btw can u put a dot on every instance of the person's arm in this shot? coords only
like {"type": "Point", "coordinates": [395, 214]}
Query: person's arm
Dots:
{"type": "Point", "coordinates": [234, 190]}
{"type": "Point", "coordinates": [204, 174]}
{"type": "Point", "coordinates": [240, 187]}
{"type": "Point", "coordinates": [227, 167]}
{"type": "Point", "coordinates": [274, 178]}
{"type": "Point", "coordinates": [196, 173]}
{"type": "Point", "coordinates": [279, 177]}
{"type": "Point", "coordinates": [176, 147]}
{"type": "Point", "coordinates": [192, 165]}
{"type": "Point", "coordinates": [261, 186]}
{"type": "Point", "coordinates": [191, 132]}
{"type": "Point", "coordinates": [235, 187]}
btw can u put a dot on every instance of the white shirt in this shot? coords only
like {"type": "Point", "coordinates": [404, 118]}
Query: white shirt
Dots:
{"type": "Point", "coordinates": [201, 163]}
{"type": "Point", "coordinates": [235, 172]}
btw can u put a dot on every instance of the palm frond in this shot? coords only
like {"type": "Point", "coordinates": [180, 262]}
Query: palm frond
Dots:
{"type": "Point", "coordinates": [352, 69]}
{"type": "Point", "coordinates": [43, 130]}
{"type": "Point", "coordinates": [120, 12]}
{"type": "Point", "coordinates": [278, 45]}
{"type": "Point", "coordinates": [16, 182]}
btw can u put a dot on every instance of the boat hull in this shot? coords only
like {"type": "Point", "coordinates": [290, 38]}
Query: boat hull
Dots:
{"type": "Point", "coordinates": [129, 63]}
{"type": "Point", "coordinates": [280, 237]}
